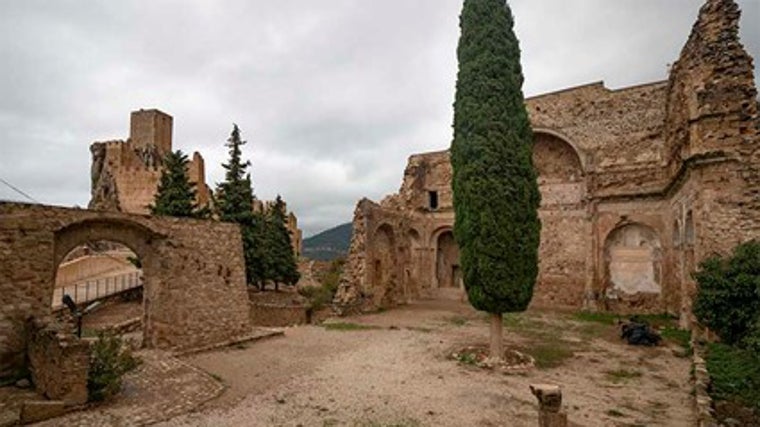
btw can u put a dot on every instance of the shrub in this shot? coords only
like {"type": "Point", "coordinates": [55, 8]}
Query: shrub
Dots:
{"type": "Point", "coordinates": [734, 374]}
{"type": "Point", "coordinates": [109, 361]}
{"type": "Point", "coordinates": [728, 301]}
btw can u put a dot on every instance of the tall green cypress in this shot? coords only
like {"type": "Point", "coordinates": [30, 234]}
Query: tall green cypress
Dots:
{"type": "Point", "coordinates": [176, 195]}
{"type": "Point", "coordinates": [496, 195]}
{"type": "Point", "coordinates": [234, 201]}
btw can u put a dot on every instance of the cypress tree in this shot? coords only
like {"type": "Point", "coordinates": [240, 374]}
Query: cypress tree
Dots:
{"type": "Point", "coordinates": [234, 201]}
{"type": "Point", "coordinates": [176, 195]}
{"type": "Point", "coordinates": [496, 195]}
{"type": "Point", "coordinates": [284, 268]}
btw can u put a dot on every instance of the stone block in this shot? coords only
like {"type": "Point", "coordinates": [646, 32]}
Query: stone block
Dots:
{"type": "Point", "coordinates": [33, 411]}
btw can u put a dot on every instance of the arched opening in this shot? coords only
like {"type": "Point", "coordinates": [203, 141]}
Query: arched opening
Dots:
{"type": "Point", "coordinates": [113, 265]}
{"type": "Point", "coordinates": [560, 171]}
{"type": "Point", "coordinates": [676, 234]}
{"type": "Point", "coordinates": [448, 271]}
{"type": "Point", "coordinates": [689, 235]}
{"type": "Point", "coordinates": [105, 277]}
{"type": "Point", "coordinates": [633, 257]}
{"type": "Point", "coordinates": [384, 261]}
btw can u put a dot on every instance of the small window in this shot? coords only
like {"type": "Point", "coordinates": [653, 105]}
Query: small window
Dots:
{"type": "Point", "coordinates": [433, 200]}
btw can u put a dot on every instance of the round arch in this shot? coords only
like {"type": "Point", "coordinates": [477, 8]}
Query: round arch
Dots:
{"type": "Point", "coordinates": [581, 154]}
{"type": "Point", "coordinates": [633, 259]}
{"type": "Point", "coordinates": [133, 235]}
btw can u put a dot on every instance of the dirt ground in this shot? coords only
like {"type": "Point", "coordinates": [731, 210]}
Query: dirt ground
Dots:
{"type": "Point", "coordinates": [394, 369]}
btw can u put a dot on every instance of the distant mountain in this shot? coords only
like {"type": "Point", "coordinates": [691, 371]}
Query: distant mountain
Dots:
{"type": "Point", "coordinates": [329, 244]}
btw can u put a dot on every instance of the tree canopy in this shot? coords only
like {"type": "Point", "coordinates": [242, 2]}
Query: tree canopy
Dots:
{"type": "Point", "coordinates": [496, 195]}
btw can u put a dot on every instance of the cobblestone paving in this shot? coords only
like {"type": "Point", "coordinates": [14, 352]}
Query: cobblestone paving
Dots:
{"type": "Point", "coordinates": [162, 387]}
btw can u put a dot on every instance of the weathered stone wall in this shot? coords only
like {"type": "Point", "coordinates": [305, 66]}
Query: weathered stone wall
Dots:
{"type": "Point", "coordinates": [194, 279]}
{"type": "Point", "coordinates": [638, 185]}
{"type": "Point", "coordinates": [59, 362]}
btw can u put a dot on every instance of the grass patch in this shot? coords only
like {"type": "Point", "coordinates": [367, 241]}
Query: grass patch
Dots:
{"type": "Point", "coordinates": [654, 320]}
{"type": "Point", "coordinates": [347, 326]}
{"type": "Point", "coordinates": [622, 375]}
{"type": "Point", "coordinates": [735, 375]}
{"type": "Point", "coordinates": [549, 356]}
{"type": "Point", "coordinates": [677, 336]}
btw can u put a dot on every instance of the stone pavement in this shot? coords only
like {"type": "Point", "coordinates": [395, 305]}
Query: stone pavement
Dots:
{"type": "Point", "coordinates": [162, 387]}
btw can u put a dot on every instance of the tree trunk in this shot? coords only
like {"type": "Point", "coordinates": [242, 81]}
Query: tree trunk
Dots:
{"type": "Point", "coordinates": [497, 348]}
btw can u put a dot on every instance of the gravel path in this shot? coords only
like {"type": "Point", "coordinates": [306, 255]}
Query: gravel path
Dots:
{"type": "Point", "coordinates": [399, 374]}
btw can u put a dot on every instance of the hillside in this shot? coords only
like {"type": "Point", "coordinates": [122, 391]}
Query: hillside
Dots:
{"type": "Point", "coordinates": [329, 244]}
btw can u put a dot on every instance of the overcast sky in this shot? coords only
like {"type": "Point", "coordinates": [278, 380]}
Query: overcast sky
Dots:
{"type": "Point", "coordinates": [332, 95]}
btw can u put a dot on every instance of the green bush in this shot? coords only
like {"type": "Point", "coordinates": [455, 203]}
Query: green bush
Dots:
{"type": "Point", "coordinates": [734, 374]}
{"type": "Point", "coordinates": [728, 301]}
{"type": "Point", "coordinates": [110, 359]}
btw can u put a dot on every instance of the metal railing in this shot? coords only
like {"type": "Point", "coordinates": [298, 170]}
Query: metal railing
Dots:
{"type": "Point", "coordinates": [93, 290]}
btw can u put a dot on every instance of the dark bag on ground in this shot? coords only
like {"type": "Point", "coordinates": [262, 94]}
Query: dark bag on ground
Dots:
{"type": "Point", "coordinates": [639, 333]}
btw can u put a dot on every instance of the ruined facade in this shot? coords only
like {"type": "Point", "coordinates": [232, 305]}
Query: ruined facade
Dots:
{"type": "Point", "coordinates": [638, 185]}
{"type": "Point", "coordinates": [125, 174]}
{"type": "Point", "coordinates": [193, 274]}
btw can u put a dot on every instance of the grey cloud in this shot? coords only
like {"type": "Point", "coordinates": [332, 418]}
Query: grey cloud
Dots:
{"type": "Point", "coordinates": [333, 96]}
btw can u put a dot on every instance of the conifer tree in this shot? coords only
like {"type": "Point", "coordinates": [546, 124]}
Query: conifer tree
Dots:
{"type": "Point", "coordinates": [496, 195]}
{"type": "Point", "coordinates": [176, 195]}
{"type": "Point", "coordinates": [234, 201]}
{"type": "Point", "coordinates": [283, 266]}
{"type": "Point", "coordinates": [234, 196]}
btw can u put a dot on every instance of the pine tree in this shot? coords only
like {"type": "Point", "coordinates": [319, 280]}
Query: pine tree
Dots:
{"type": "Point", "coordinates": [176, 195]}
{"type": "Point", "coordinates": [283, 267]}
{"type": "Point", "coordinates": [496, 196]}
{"type": "Point", "coordinates": [234, 201]}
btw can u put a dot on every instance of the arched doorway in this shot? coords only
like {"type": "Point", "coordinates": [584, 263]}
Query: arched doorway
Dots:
{"type": "Point", "coordinates": [448, 271]}
{"type": "Point", "coordinates": [134, 239]}
{"type": "Point", "coordinates": [633, 258]}
{"type": "Point", "coordinates": [104, 276]}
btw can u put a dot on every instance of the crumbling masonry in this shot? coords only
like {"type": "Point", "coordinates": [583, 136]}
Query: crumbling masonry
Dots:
{"type": "Point", "coordinates": [638, 185]}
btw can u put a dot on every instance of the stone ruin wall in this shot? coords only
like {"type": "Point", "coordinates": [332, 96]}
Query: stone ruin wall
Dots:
{"type": "Point", "coordinates": [637, 185]}
{"type": "Point", "coordinates": [194, 276]}
{"type": "Point", "coordinates": [125, 174]}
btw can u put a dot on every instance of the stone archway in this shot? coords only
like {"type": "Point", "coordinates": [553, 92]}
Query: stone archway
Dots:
{"type": "Point", "coordinates": [141, 240]}
{"type": "Point", "coordinates": [194, 271]}
{"type": "Point", "coordinates": [447, 268]}
{"type": "Point", "coordinates": [633, 260]}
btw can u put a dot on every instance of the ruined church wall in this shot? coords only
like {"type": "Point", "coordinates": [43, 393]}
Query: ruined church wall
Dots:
{"type": "Point", "coordinates": [617, 133]}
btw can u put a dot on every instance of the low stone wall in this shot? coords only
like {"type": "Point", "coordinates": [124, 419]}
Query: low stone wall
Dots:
{"type": "Point", "coordinates": [278, 315]}
{"type": "Point", "coordinates": [58, 362]}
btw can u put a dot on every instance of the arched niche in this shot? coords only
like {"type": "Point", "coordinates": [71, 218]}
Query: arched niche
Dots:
{"type": "Point", "coordinates": [633, 260]}
{"type": "Point", "coordinates": [447, 268]}
{"type": "Point", "coordinates": [560, 170]}
{"type": "Point", "coordinates": [689, 235]}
